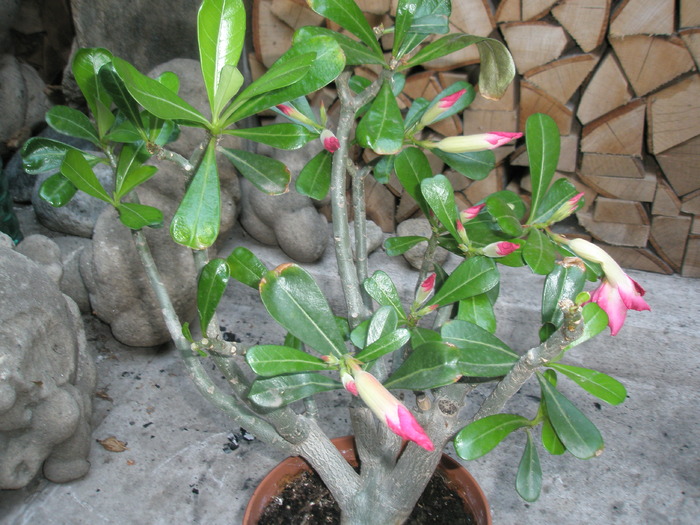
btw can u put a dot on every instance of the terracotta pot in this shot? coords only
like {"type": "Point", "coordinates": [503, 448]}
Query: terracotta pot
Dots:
{"type": "Point", "coordinates": [458, 477]}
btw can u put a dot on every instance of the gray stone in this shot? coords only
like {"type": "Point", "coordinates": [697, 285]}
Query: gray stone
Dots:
{"type": "Point", "coordinates": [72, 281]}
{"type": "Point", "coordinates": [13, 99]}
{"type": "Point", "coordinates": [120, 294]}
{"type": "Point", "coordinates": [47, 378]}
{"type": "Point", "coordinates": [375, 236]}
{"type": "Point", "coordinates": [420, 227]}
{"type": "Point", "coordinates": [79, 215]}
{"type": "Point", "coordinates": [44, 252]}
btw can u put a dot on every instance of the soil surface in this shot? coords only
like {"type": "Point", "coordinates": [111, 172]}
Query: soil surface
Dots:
{"type": "Point", "coordinates": [306, 501]}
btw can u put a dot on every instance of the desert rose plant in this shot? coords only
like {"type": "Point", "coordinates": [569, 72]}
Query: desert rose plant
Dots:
{"type": "Point", "coordinates": [436, 348]}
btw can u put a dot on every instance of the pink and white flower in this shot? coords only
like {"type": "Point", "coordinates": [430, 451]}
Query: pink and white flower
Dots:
{"type": "Point", "coordinates": [389, 409]}
{"type": "Point", "coordinates": [499, 249]}
{"type": "Point", "coordinates": [329, 140]}
{"type": "Point", "coordinates": [617, 292]}
{"type": "Point", "coordinates": [437, 110]}
{"type": "Point", "coordinates": [471, 212]}
{"type": "Point", "coordinates": [425, 289]}
{"type": "Point", "coordinates": [478, 142]}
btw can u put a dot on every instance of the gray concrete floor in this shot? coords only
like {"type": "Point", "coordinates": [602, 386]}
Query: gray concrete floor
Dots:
{"type": "Point", "coordinates": [178, 469]}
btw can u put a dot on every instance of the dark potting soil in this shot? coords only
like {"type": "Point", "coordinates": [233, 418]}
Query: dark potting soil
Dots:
{"type": "Point", "coordinates": [306, 501]}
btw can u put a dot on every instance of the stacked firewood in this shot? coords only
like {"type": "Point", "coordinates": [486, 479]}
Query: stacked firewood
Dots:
{"type": "Point", "coordinates": [619, 78]}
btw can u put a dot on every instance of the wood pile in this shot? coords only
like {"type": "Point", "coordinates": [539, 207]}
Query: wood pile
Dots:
{"type": "Point", "coordinates": [620, 78]}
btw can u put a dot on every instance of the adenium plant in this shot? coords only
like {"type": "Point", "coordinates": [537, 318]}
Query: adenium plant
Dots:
{"type": "Point", "coordinates": [438, 346]}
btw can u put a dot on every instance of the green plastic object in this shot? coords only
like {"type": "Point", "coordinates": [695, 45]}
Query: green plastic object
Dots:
{"type": "Point", "coordinates": [8, 220]}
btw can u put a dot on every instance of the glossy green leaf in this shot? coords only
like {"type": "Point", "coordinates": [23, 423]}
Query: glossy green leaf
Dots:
{"type": "Point", "coordinates": [596, 383]}
{"type": "Point", "coordinates": [295, 301]}
{"type": "Point", "coordinates": [557, 196]}
{"type": "Point", "coordinates": [124, 101]}
{"type": "Point", "coordinates": [483, 435]}
{"type": "Point", "coordinates": [543, 145]}
{"type": "Point", "coordinates": [196, 221]}
{"type": "Point", "coordinates": [405, 10]}
{"type": "Point", "coordinates": [41, 155]}
{"type": "Point", "coordinates": [505, 216]}
{"type": "Point", "coordinates": [418, 108]}
{"type": "Point", "coordinates": [77, 170]}
{"type": "Point", "coordinates": [539, 252]}
{"type": "Point", "coordinates": [381, 128]}
{"type": "Point", "coordinates": [356, 53]}
{"type": "Point", "coordinates": [281, 74]}
{"type": "Point", "coordinates": [412, 167]}
{"type": "Point", "coordinates": [381, 288]}
{"type": "Point", "coordinates": [478, 309]}
{"type": "Point", "coordinates": [137, 216]}
{"type": "Point", "coordinates": [472, 277]}
{"type": "Point", "coordinates": [475, 165]}
{"type": "Point", "coordinates": [267, 174]}
{"type": "Point", "coordinates": [276, 392]}
{"type": "Point", "coordinates": [429, 17]}
{"type": "Point", "coordinates": [348, 15]}
{"type": "Point", "coordinates": [131, 156]}
{"type": "Point", "coordinates": [245, 267]}
{"type": "Point", "coordinates": [481, 354]}
{"type": "Point", "coordinates": [281, 136]}
{"type": "Point", "coordinates": [438, 193]}
{"type": "Point", "coordinates": [574, 429]}
{"type": "Point", "coordinates": [72, 122]}
{"type": "Point", "coordinates": [384, 345]}
{"type": "Point", "coordinates": [211, 286]}
{"type": "Point", "coordinates": [86, 66]}
{"type": "Point", "coordinates": [187, 333]}
{"type": "Point", "coordinates": [358, 336]}
{"type": "Point", "coordinates": [430, 365]}
{"type": "Point", "coordinates": [550, 440]}
{"type": "Point", "coordinates": [157, 98]}
{"type": "Point", "coordinates": [595, 321]}
{"type": "Point", "coordinates": [272, 360]}
{"type": "Point", "coordinates": [135, 177]}
{"type": "Point", "coordinates": [564, 282]}
{"type": "Point", "coordinates": [220, 35]}
{"type": "Point", "coordinates": [314, 179]}
{"type": "Point", "coordinates": [57, 190]}
{"type": "Point", "coordinates": [383, 168]}
{"type": "Point", "coordinates": [528, 481]}
{"type": "Point", "coordinates": [397, 245]}
{"type": "Point", "coordinates": [383, 321]}
{"type": "Point", "coordinates": [420, 335]}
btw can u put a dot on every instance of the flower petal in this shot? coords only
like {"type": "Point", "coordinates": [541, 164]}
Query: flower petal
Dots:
{"type": "Point", "coordinates": [406, 426]}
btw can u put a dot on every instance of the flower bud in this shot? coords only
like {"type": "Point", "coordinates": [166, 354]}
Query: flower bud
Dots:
{"type": "Point", "coordinates": [295, 114]}
{"type": "Point", "coordinates": [329, 140]}
{"type": "Point", "coordinates": [471, 212]}
{"type": "Point", "coordinates": [478, 142]}
{"type": "Point", "coordinates": [437, 110]}
{"type": "Point", "coordinates": [425, 289]}
{"type": "Point", "coordinates": [462, 232]}
{"type": "Point", "coordinates": [567, 208]}
{"type": "Point", "coordinates": [499, 249]}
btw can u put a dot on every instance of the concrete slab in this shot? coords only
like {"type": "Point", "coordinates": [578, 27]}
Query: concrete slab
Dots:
{"type": "Point", "coordinates": [179, 467]}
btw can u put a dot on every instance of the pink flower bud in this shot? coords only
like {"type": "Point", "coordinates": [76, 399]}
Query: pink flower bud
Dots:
{"type": "Point", "coordinates": [287, 110]}
{"type": "Point", "coordinates": [425, 289]}
{"type": "Point", "coordinates": [449, 100]}
{"type": "Point", "coordinates": [329, 140]}
{"type": "Point", "coordinates": [436, 110]}
{"type": "Point", "coordinates": [470, 213]}
{"type": "Point", "coordinates": [500, 249]}
{"type": "Point", "coordinates": [567, 208]}
{"type": "Point", "coordinates": [462, 232]}
{"type": "Point", "coordinates": [348, 383]}
{"type": "Point", "coordinates": [478, 142]}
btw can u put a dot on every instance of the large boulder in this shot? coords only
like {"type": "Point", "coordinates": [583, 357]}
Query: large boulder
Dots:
{"type": "Point", "coordinates": [47, 377]}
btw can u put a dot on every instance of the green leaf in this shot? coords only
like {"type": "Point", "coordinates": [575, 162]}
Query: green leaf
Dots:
{"type": "Point", "coordinates": [550, 440]}
{"type": "Point", "coordinates": [543, 145]}
{"type": "Point", "coordinates": [196, 221]}
{"type": "Point", "coordinates": [539, 252]}
{"type": "Point", "coordinates": [86, 67]}
{"type": "Point", "coordinates": [505, 216]}
{"type": "Point", "coordinates": [384, 321]}
{"type": "Point", "coordinates": [124, 101]}
{"type": "Point", "coordinates": [528, 481]}
{"type": "Point", "coordinates": [245, 267]}
{"type": "Point", "coordinates": [356, 53]}
{"type": "Point", "coordinates": [398, 245]}
{"type": "Point", "coordinates": [429, 17]}
{"type": "Point", "coordinates": [77, 170]}
{"type": "Point", "coordinates": [272, 360]}
{"type": "Point", "coordinates": [381, 288]}
{"type": "Point", "coordinates": [40, 155]}
{"type": "Point", "coordinates": [472, 277]}
{"type": "Point", "coordinates": [412, 167]}
{"type": "Point", "coordinates": [268, 175]}
{"type": "Point", "coordinates": [404, 19]}
{"type": "Point", "coordinates": [381, 128]}
{"type": "Point", "coordinates": [211, 286]}
{"type": "Point", "coordinates": [595, 321]}
{"type": "Point", "coordinates": [438, 193]}
{"type": "Point", "coordinates": [137, 216]}
{"type": "Point", "coordinates": [348, 15]}
{"type": "Point", "coordinates": [220, 35]}
{"type": "Point", "coordinates": [72, 122]}
{"type": "Point", "coordinates": [475, 165]}
{"type": "Point", "coordinates": [430, 365]}
{"type": "Point", "coordinates": [57, 190]}
{"type": "Point", "coordinates": [557, 196]}
{"type": "Point", "coordinates": [135, 177]}
{"type": "Point", "coordinates": [596, 383]}
{"type": "Point", "coordinates": [481, 354]}
{"type": "Point", "coordinates": [420, 335]}
{"type": "Point", "coordinates": [279, 391]}
{"type": "Point", "coordinates": [314, 179]}
{"type": "Point", "coordinates": [418, 108]}
{"type": "Point", "coordinates": [358, 336]}
{"type": "Point", "coordinates": [286, 135]}
{"type": "Point", "coordinates": [478, 310]}
{"type": "Point", "coordinates": [384, 345]}
{"type": "Point", "coordinates": [383, 168]}
{"type": "Point", "coordinates": [281, 74]}
{"type": "Point", "coordinates": [483, 435]}
{"type": "Point", "coordinates": [564, 282]}
{"type": "Point", "coordinates": [574, 429]}
{"type": "Point", "coordinates": [294, 300]}
{"type": "Point", "coordinates": [157, 98]}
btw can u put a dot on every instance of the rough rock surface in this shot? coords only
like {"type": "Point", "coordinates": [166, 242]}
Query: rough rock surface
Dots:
{"type": "Point", "coordinates": [120, 294]}
{"type": "Point", "coordinates": [47, 377]}
{"type": "Point", "coordinates": [420, 227]}
{"type": "Point", "coordinates": [44, 252]}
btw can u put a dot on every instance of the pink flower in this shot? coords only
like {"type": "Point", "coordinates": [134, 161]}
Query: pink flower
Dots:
{"type": "Point", "coordinates": [329, 140]}
{"type": "Point", "coordinates": [425, 289]}
{"type": "Point", "coordinates": [499, 249]}
{"type": "Point", "coordinates": [287, 110]}
{"type": "Point", "coordinates": [436, 110]}
{"type": "Point", "coordinates": [618, 292]}
{"type": "Point", "coordinates": [567, 208]}
{"type": "Point", "coordinates": [293, 113]}
{"type": "Point", "coordinates": [478, 142]}
{"type": "Point", "coordinates": [470, 213]}
{"type": "Point", "coordinates": [389, 409]}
